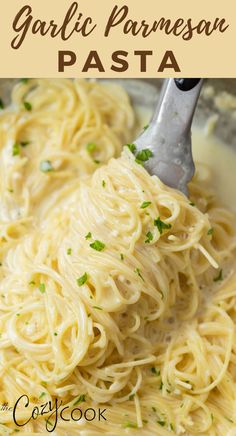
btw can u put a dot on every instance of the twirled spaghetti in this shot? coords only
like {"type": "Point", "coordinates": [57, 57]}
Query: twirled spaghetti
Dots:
{"type": "Point", "coordinates": [116, 291]}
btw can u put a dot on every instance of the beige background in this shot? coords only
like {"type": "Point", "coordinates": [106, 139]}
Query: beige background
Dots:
{"type": "Point", "coordinates": [212, 56]}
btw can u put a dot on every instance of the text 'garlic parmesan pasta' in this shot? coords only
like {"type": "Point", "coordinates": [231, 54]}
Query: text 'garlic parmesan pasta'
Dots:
{"type": "Point", "coordinates": [116, 291]}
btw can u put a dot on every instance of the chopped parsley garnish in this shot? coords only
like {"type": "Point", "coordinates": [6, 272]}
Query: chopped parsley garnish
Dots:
{"type": "Point", "coordinates": [97, 245]}
{"type": "Point", "coordinates": [192, 203]}
{"type": "Point", "coordinates": [80, 399]}
{"type": "Point", "coordinates": [219, 277]}
{"type": "Point", "coordinates": [154, 409]}
{"type": "Point", "coordinates": [145, 204]}
{"type": "Point", "coordinates": [161, 385]}
{"type": "Point", "coordinates": [46, 166]}
{"type": "Point", "coordinates": [69, 251]}
{"type": "Point", "coordinates": [32, 283]}
{"type": "Point", "coordinates": [161, 225]}
{"type": "Point", "coordinates": [48, 422]}
{"type": "Point", "coordinates": [132, 147]}
{"type": "Point", "coordinates": [83, 279]}
{"type": "Point", "coordinates": [144, 155]}
{"type": "Point", "coordinates": [1, 104]}
{"type": "Point", "coordinates": [42, 287]}
{"type": "Point", "coordinates": [55, 334]}
{"type": "Point", "coordinates": [24, 80]}
{"type": "Point", "coordinates": [149, 236]}
{"type": "Point", "coordinates": [27, 106]}
{"type": "Point", "coordinates": [212, 416]}
{"type": "Point", "coordinates": [155, 371]}
{"type": "Point", "coordinates": [146, 127]}
{"type": "Point", "coordinates": [162, 423]}
{"type": "Point", "coordinates": [96, 161]}
{"type": "Point", "coordinates": [16, 149]}
{"type": "Point", "coordinates": [103, 183]}
{"type": "Point", "coordinates": [88, 236]}
{"type": "Point", "coordinates": [121, 256]}
{"type": "Point", "coordinates": [24, 143]}
{"type": "Point", "coordinates": [137, 271]}
{"type": "Point", "coordinates": [129, 424]}
{"type": "Point", "coordinates": [131, 397]}
{"type": "Point", "coordinates": [42, 395]}
{"type": "Point", "coordinates": [171, 426]}
{"type": "Point", "coordinates": [210, 231]}
{"type": "Point", "coordinates": [97, 307]}
{"type": "Point", "coordinates": [91, 147]}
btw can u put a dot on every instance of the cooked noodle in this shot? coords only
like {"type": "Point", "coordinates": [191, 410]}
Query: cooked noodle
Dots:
{"type": "Point", "coordinates": [116, 291]}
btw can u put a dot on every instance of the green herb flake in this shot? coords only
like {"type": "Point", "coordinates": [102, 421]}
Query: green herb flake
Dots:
{"type": "Point", "coordinates": [129, 424]}
{"type": "Point", "coordinates": [32, 283]}
{"type": "Point", "coordinates": [42, 395]}
{"type": "Point", "coordinates": [137, 271]}
{"type": "Point", "coordinates": [46, 166]}
{"type": "Point", "coordinates": [42, 288]}
{"type": "Point", "coordinates": [192, 203]}
{"type": "Point", "coordinates": [96, 161]}
{"type": "Point", "coordinates": [82, 280]}
{"type": "Point", "coordinates": [219, 277]}
{"type": "Point", "coordinates": [24, 80]}
{"type": "Point", "coordinates": [132, 148]}
{"type": "Point", "coordinates": [210, 231]}
{"type": "Point", "coordinates": [161, 225]}
{"type": "Point", "coordinates": [18, 314]}
{"type": "Point", "coordinates": [144, 155]}
{"type": "Point", "coordinates": [55, 334]}
{"type": "Point", "coordinates": [1, 104]}
{"type": "Point", "coordinates": [97, 245]}
{"type": "Point", "coordinates": [88, 236]}
{"type": "Point", "coordinates": [155, 371]}
{"type": "Point", "coordinates": [91, 147]}
{"type": "Point", "coordinates": [145, 421]}
{"type": "Point", "coordinates": [44, 383]}
{"type": "Point", "coordinates": [48, 422]}
{"type": "Point", "coordinates": [16, 430]}
{"type": "Point", "coordinates": [171, 427]}
{"type": "Point", "coordinates": [161, 385]}
{"type": "Point", "coordinates": [145, 204]}
{"type": "Point", "coordinates": [97, 307]}
{"type": "Point", "coordinates": [212, 417]}
{"type": "Point", "coordinates": [24, 143]}
{"type": "Point", "coordinates": [80, 399]}
{"type": "Point", "coordinates": [69, 251]}
{"type": "Point", "coordinates": [27, 106]}
{"type": "Point", "coordinates": [146, 127]}
{"type": "Point", "coordinates": [149, 236]}
{"type": "Point", "coordinates": [154, 409]}
{"type": "Point", "coordinates": [162, 423]}
{"type": "Point", "coordinates": [103, 183]}
{"type": "Point", "coordinates": [16, 149]}
{"type": "Point", "coordinates": [131, 397]}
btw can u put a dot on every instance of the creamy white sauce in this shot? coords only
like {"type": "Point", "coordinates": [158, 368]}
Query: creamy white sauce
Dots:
{"type": "Point", "coordinates": [222, 161]}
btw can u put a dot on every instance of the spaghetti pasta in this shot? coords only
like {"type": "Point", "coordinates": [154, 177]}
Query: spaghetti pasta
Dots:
{"type": "Point", "coordinates": [116, 291]}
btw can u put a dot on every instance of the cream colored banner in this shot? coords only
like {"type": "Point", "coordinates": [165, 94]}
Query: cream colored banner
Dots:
{"type": "Point", "coordinates": [106, 38]}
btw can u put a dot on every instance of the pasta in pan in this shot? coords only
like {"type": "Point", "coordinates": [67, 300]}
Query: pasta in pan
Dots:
{"type": "Point", "coordinates": [117, 292]}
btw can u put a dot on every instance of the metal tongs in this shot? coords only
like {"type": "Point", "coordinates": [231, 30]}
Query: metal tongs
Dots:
{"type": "Point", "coordinates": [168, 135]}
